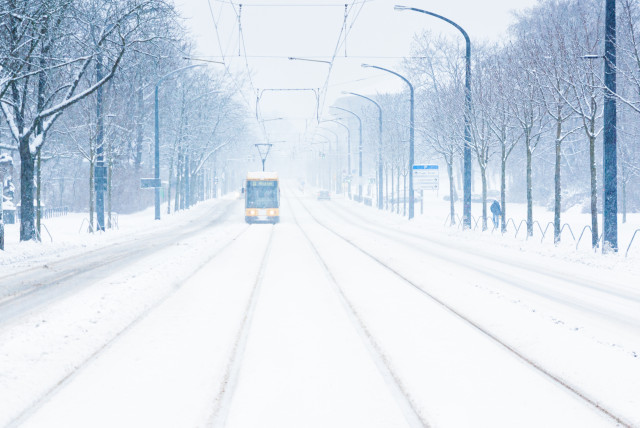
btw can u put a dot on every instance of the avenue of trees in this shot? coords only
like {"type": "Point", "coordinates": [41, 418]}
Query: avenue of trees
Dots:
{"type": "Point", "coordinates": [77, 79]}
{"type": "Point", "coordinates": [537, 112]}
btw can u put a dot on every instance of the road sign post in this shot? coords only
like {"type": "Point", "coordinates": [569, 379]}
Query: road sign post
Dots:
{"type": "Point", "coordinates": [426, 177]}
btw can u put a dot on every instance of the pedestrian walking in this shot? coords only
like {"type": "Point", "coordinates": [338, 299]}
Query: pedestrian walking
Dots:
{"type": "Point", "coordinates": [496, 211]}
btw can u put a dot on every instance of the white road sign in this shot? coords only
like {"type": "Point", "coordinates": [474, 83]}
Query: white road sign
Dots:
{"type": "Point", "coordinates": [425, 177]}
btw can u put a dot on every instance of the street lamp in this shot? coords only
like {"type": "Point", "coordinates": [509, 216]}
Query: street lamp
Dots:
{"type": "Point", "coordinates": [359, 150]}
{"type": "Point", "coordinates": [157, 136]}
{"type": "Point", "coordinates": [337, 162]}
{"type": "Point", "coordinates": [379, 144]}
{"type": "Point", "coordinates": [337, 122]}
{"type": "Point", "coordinates": [411, 133]}
{"type": "Point", "coordinates": [610, 203]}
{"type": "Point", "coordinates": [467, 117]}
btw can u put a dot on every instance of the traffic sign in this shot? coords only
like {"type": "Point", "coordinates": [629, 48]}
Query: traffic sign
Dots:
{"type": "Point", "coordinates": [425, 177]}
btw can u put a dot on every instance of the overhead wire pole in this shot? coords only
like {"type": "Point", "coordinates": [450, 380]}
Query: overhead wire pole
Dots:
{"type": "Point", "coordinates": [411, 132]}
{"type": "Point", "coordinates": [379, 143]}
{"type": "Point", "coordinates": [467, 117]}
{"type": "Point", "coordinates": [610, 209]}
{"type": "Point", "coordinates": [359, 150]}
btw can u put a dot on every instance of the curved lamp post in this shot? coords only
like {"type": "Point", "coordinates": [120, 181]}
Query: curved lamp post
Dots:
{"type": "Point", "coordinates": [411, 133]}
{"type": "Point", "coordinates": [467, 117]}
{"type": "Point", "coordinates": [379, 143]}
{"type": "Point", "coordinates": [359, 149]}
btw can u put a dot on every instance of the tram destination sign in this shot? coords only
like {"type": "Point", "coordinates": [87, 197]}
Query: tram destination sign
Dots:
{"type": "Point", "coordinates": [425, 177]}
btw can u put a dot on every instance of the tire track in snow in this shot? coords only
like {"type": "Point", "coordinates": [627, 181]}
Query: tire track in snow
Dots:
{"type": "Point", "coordinates": [39, 286]}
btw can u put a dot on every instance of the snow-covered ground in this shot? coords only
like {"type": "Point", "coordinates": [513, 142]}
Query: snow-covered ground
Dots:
{"type": "Point", "coordinates": [341, 316]}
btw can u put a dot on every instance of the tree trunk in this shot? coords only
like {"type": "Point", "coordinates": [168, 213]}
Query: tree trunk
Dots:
{"type": "Point", "coordinates": [503, 190]}
{"type": "Point", "coordinates": [624, 201]}
{"type": "Point", "coordinates": [404, 195]}
{"type": "Point", "coordinates": [38, 195]}
{"type": "Point", "coordinates": [483, 174]}
{"type": "Point", "coordinates": [398, 193]}
{"type": "Point", "coordinates": [1, 216]}
{"type": "Point", "coordinates": [27, 165]}
{"type": "Point", "coordinates": [91, 189]}
{"type": "Point", "coordinates": [393, 178]}
{"type": "Point", "coordinates": [529, 194]}
{"type": "Point", "coordinates": [169, 186]}
{"type": "Point", "coordinates": [594, 191]}
{"type": "Point", "coordinates": [139, 127]}
{"type": "Point", "coordinates": [187, 182]}
{"type": "Point", "coordinates": [177, 205]}
{"type": "Point", "coordinates": [452, 206]}
{"type": "Point", "coordinates": [557, 206]}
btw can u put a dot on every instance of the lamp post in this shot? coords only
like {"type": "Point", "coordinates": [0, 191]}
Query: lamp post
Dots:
{"type": "Point", "coordinates": [379, 144]}
{"type": "Point", "coordinates": [157, 136]}
{"type": "Point", "coordinates": [466, 220]}
{"type": "Point", "coordinates": [337, 162]}
{"type": "Point", "coordinates": [323, 161]}
{"type": "Point", "coordinates": [359, 150]}
{"type": "Point", "coordinates": [336, 121]}
{"type": "Point", "coordinates": [411, 132]}
{"type": "Point", "coordinates": [610, 203]}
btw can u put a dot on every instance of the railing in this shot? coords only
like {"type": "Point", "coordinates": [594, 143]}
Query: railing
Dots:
{"type": "Point", "coordinates": [511, 223]}
{"type": "Point", "coordinates": [89, 227]}
{"type": "Point", "coordinates": [632, 238]}
{"type": "Point", "coordinates": [39, 236]}
{"type": "Point", "coordinates": [590, 230]}
{"type": "Point", "coordinates": [55, 212]}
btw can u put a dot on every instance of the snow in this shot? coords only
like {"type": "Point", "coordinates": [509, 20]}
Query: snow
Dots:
{"type": "Point", "coordinates": [332, 338]}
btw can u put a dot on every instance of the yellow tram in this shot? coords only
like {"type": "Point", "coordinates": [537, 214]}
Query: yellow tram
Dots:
{"type": "Point", "coordinates": [262, 197]}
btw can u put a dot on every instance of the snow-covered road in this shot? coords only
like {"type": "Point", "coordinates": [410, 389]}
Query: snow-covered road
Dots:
{"type": "Point", "coordinates": [331, 318]}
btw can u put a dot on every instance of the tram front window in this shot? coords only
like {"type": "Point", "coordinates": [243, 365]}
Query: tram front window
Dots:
{"type": "Point", "coordinates": [262, 194]}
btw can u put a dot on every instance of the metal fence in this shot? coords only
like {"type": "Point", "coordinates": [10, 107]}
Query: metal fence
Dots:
{"type": "Point", "coordinates": [510, 227]}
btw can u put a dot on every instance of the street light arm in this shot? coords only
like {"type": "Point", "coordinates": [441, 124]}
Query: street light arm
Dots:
{"type": "Point", "coordinates": [365, 97]}
{"type": "Point", "coordinates": [349, 111]}
{"type": "Point", "coordinates": [177, 71]}
{"type": "Point", "coordinates": [464, 33]}
{"type": "Point", "coordinates": [390, 71]}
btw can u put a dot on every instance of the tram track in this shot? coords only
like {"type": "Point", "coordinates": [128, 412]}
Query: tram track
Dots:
{"type": "Point", "coordinates": [225, 394]}
{"type": "Point", "coordinates": [567, 386]}
{"type": "Point", "coordinates": [398, 390]}
{"type": "Point", "coordinates": [79, 367]}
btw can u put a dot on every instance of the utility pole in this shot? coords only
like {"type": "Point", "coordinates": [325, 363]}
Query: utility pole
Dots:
{"type": "Point", "coordinates": [610, 240]}
{"type": "Point", "coordinates": [100, 168]}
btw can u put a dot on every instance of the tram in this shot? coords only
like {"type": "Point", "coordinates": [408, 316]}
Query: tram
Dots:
{"type": "Point", "coordinates": [262, 198]}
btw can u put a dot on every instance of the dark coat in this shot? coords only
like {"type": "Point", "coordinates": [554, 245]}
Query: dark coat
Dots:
{"type": "Point", "coordinates": [495, 208]}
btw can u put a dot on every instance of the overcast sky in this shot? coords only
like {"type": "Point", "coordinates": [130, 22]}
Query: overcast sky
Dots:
{"type": "Point", "coordinates": [273, 30]}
